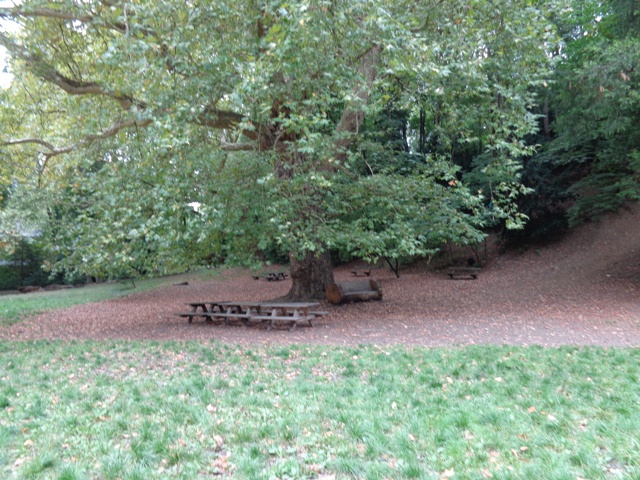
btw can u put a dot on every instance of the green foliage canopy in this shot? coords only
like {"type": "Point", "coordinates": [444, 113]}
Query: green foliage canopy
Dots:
{"type": "Point", "coordinates": [255, 112]}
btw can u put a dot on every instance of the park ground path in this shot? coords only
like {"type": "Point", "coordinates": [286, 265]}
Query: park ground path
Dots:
{"type": "Point", "coordinates": [584, 290]}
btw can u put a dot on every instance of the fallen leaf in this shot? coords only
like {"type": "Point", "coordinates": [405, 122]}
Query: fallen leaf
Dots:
{"type": "Point", "coordinates": [448, 473]}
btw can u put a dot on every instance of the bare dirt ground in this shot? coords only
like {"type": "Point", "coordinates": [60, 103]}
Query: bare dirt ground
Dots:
{"type": "Point", "coordinates": [584, 290]}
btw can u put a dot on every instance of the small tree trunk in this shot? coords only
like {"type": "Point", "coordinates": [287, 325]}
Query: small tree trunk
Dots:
{"type": "Point", "coordinates": [310, 277]}
{"type": "Point", "coordinates": [545, 118]}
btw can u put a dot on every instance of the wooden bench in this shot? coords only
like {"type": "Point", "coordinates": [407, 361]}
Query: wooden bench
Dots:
{"type": "Point", "coordinates": [273, 319]}
{"type": "Point", "coordinates": [271, 276]}
{"type": "Point", "coordinates": [356, 291]}
{"type": "Point", "coordinates": [189, 315]}
{"type": "Point", "coordinates": [293, 313]}
{"type": "Point", "coordinates": [209, 316]}
{"type": "Point", "coordinates": [361, 272]}
{"type": "Point", "coordinates": [459, 272]}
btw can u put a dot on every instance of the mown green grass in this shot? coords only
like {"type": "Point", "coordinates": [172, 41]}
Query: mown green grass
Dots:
{"type": "Point", "coordinates": [13, 308]}
{"type": "Point", "coordinates": [118, 410]}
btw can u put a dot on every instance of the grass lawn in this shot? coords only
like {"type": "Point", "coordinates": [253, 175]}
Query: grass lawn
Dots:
{"type": "Point", "coordinates": [148, 410]}
{"type": "Point", "coordinates": [14, 308]}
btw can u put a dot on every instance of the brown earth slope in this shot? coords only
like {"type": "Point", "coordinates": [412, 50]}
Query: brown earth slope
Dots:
{"type": "Point", "coordinates": [584, 290]}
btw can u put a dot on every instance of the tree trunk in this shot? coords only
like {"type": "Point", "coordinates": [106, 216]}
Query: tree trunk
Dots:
{"type": "Point", "coordinates": [312, 274]}
{"type": "Point", "coordinates": [310, 277]}
{"type": "Point", "coordinates": [422, 138]}
{"type": "Point", "coordinates": [545, 118]}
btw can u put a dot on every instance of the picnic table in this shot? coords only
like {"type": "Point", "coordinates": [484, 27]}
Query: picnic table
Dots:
{"type": "Point", "coordinates": [271, 276]}
{"type": "Point", "coordinates": [462, 272]}
{"type": "Point", "coordinates": [272, 313]}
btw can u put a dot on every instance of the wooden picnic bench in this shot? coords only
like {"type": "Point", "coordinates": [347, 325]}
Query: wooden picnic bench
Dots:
{"type": "Point", "coordinates": [271, 276]}
{"type": "Point", "coordinates": [459, 272]}
{"type": "Point", "coordinates": [272, 313]}
{"type": "Point", "coordinates": [203, 309]}
{"type": "Point", "coordinates": [361, 272]}
{"type": "Point", "coordinates": [292, 313]}
{"type": "Point", "coordinates": [355, 291]}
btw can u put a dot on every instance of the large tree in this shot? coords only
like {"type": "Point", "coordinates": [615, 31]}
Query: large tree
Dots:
{"type": "Point", "coordinates": [255, 111]}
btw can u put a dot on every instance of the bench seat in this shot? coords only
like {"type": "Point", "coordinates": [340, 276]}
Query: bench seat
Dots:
{"type": "Point", "coordinates": [190, 315]}
{"type": "Point", "coordinates": [277, 318]}
{"type": "Point", "coordinates": [194, 314]}
{"type": "Point", "coordinates": [210, 315]}
{"type": "Point", "coordinates": [464, 272]}
{"type": "Point", "coordinates": [365, 294]}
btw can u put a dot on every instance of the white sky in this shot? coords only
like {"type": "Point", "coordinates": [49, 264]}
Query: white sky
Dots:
{"type": "Point", "coordinates": [5, 78]}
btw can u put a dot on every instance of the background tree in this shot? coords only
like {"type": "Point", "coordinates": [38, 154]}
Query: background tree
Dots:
{"type": "Point", "coordinates": [255, 112]}
{"type": "Point", "coordinates": [589, 161]}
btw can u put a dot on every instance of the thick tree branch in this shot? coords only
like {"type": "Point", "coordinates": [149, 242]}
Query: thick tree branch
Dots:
{"type": "Point", "coordinates": [19, 12]}
{"type": "Point", "coordinates": [210, 117]}
{"type": "Point", "coordinates": [89, 139]}
{"type": "Point", "coordinates": [22, 141]}
{"type": "Point", "coordinates": [237, 147]}
{"type": "Point", "coordinates": [114, 129]}
{"type": "Point", "coordinates": [52, 151]}
{"type": "Point", "coordinates": [74, 87]}
{"type": "Point", "coordinates": [214, 118]}
{"type": "Point", "coordinates": [48, 73]}
{"type": "Point", "coordinates": [224, 119]}
{"type": "Point", "coordinates": [353, 114]}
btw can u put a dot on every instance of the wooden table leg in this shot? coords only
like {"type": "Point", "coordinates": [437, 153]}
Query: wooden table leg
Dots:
{"type": "Point", "coordinates": [194, 310]}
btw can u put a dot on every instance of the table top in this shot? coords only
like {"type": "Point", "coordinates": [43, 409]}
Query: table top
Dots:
{"type": "Point", "coordinates": [240, 303]}
{"type": "Point", "coordinates": [290, 304]}
{"type": "Point", "coordinates": [245, 304]}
